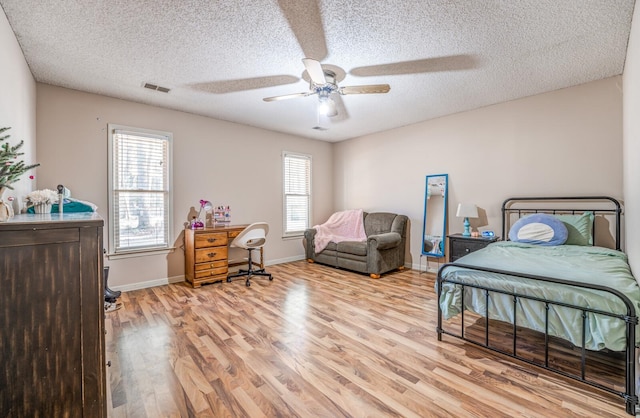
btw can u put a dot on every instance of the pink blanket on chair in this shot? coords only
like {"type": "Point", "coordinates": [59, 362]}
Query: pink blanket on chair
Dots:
{"type": "Point", "coordinates": [347, 225]}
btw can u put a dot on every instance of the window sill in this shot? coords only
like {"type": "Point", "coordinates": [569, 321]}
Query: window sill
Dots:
{"type": "Point", "coordinates": [288, 237]}
{"type": "Point", "coordinates": [141, 253]}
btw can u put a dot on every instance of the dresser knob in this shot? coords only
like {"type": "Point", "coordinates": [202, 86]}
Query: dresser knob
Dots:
{"type": "Point", "coordinates": [211, 240]}
{"type": "Point", "coordinates": [109, 363]}
{"type": "Point", "coordinates": [466, 250]}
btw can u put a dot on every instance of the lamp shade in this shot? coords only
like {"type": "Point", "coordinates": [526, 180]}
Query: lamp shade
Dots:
{"type": "Point", "coordinates": [467, 210]}
{"type": "Point", "coordinates": [327, 106]}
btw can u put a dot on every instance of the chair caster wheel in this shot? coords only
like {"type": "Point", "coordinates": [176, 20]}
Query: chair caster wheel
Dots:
{"type": "Point", "coordinates": [270, 279]}
{"type": "Point", "coordinates": [247, 284]}
{"type": "Point", "coordinates": [228, 280]}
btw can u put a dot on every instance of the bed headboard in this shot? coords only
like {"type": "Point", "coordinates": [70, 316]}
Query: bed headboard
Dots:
{"type": "Point", "coordinates": [606, 210]}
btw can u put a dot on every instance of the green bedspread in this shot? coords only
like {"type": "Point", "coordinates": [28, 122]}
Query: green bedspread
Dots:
{"type": "Point", "coordinates": [595, 265]}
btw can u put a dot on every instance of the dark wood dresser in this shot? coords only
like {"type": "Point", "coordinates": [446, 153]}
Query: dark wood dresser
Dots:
{"type": "Point", "coordinates": [52, 316]}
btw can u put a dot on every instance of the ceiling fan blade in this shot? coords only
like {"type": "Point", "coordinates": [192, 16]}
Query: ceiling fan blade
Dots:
{"type": "Point", "coordinates": [305, 22]}
{"type": "Point", "coordinates": [447, 63]}
{"type": "Point", "coordinates": [287, 96]}
{"type": "Point", "coordinates": [230, 86]}
{"type": "Point", "coordinates": [372, 88]}
{"type": "Point", "coordinates": [315, 71]}
{"type": "Point", "coordinates": [341, 109]}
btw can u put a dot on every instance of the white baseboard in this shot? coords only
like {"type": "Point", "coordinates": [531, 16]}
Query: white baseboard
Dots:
{"type": "Point", "coordinates": [178, 279]}
{"type": "Point", "coordinates": [149, 283]}
{"type": "Point", "coordinates": [423, 267]}
{"type": "Point", "coordinates": [284, 260]}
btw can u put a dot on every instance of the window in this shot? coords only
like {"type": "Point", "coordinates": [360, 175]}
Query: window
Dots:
{"type": "Point", "coordinates": [297, 193]}
{"type": "Point", "coordinates": [139, 190]}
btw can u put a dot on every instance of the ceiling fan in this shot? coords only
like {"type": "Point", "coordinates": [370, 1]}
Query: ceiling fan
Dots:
{"type": "Point", "coordinates": [305, 21]}
{"type": "Point", "coordinates": [323, 82]}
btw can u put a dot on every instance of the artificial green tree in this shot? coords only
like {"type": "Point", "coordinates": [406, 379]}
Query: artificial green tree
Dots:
{"type": "Point", "coordinates": [10, 168]}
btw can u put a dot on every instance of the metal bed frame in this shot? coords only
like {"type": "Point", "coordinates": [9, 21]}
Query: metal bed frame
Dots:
{"type": "Point", "coordinates": [511, 207]}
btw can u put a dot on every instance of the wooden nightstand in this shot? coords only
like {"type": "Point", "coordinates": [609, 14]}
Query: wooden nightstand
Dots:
{"type": "Point", "coordinates": [460, 246]}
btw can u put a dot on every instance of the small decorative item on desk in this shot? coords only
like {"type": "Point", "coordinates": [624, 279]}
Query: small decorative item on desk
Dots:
{"type": "Point", "coordinates": [196, 223]}
{"type": "Point", "coordinates": [222, 215]}
{"type": "Point", "coordinates": [41, 200]}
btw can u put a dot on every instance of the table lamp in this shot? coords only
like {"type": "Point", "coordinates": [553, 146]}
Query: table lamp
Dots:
{"type": "Point", "coordinates": [466, 211]}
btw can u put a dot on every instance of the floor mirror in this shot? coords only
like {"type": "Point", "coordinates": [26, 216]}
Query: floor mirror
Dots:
{"type": "Point", "coordinates": [435, 217]}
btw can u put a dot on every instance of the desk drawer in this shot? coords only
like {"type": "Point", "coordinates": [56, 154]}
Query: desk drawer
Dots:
{"type": "Point", "coordinates": [212, 272]}
{"type": "Point", "coordinates": [210, 265]}
{"type": "Point", "coordinates": [204, 255]}
{"type": "Point", "coordinates": [210, 239]}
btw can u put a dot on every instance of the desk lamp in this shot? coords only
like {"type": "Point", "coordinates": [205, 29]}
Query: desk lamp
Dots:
{"type": "Point", "coordinates": [197, 223]}
{"type": "Point", "coordinates": [466, 211]}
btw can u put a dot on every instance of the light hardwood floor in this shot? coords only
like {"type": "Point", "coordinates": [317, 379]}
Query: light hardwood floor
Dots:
{"type": "Point", "coordinates": [317, 342]}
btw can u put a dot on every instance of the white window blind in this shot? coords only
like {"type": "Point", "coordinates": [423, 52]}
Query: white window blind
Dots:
{"type": "Point", "coordinates": [297, 193]}
{"type": "Point", "coordinates": [139, 212]}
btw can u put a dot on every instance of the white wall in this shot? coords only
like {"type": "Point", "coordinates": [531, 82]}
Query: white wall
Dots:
{"type": "Point", "coordinates": [631, 144]}
{"type": "Point", "coordinates": [567, 142]}
{"type": "Point", "coordinates": [489, 153]}
{"type": "Point", "coordinates": [223, 162]}
{"type": "Point", "coordinates": [17, 105]}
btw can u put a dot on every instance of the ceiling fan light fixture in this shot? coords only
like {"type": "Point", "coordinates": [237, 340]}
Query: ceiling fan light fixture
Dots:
{"type": "Point", "coordinates": [323, 82]}
{"type": "Point", "coordinates": [327, 107]}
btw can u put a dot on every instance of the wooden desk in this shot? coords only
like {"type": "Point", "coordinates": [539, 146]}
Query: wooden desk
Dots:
{"type": "Point", "coordinates": [206, 253]}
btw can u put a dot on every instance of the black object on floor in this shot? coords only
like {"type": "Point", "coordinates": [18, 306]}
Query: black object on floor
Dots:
{"type": "Point", "coordinates": [109, 295]}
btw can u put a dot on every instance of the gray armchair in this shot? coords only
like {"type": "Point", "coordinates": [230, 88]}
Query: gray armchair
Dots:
{"type": "Point", "coordinates": [382, 252]}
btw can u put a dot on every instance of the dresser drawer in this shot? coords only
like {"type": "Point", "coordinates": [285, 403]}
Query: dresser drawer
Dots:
{"type": "Point", "coordinates": [462, 248]}
{"type": "Point", "coordinates": [459, 245]}
{"type": "Point", "coordinates": [210, 265]}
{"type": "Point", "coordinates": [204, 255]}
{"type": "Point", "coordinates": [210, 239]}
{"type": "Point", "coordinates": [212, 272]}
{"type": "Point", "coordinates": [233, 234]}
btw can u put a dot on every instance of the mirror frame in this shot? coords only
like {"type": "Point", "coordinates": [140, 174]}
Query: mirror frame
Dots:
{"type": "Point", "coordinates": [445, 192]}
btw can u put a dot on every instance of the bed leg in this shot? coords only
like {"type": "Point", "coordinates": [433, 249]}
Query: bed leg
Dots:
{"type": "Point", "coordinates": [632, 405]}
{"type": "Point", "coordinates": [374, 276]}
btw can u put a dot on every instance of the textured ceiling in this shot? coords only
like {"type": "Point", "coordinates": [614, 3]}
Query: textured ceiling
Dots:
{"type": "Point", "coordinates": [221, 58]}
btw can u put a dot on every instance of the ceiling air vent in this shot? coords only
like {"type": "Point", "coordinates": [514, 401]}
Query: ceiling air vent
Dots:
{"type": "Point", "coordinates": [156, 88]}
{"type": "Point", "coordinates": [319, 128]}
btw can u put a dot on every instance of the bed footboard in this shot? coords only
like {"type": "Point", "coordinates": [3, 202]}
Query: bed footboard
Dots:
{"type": "Point", "coordinates": [629, 317]}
